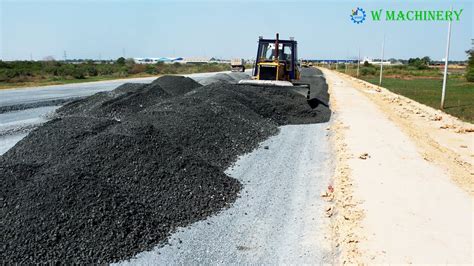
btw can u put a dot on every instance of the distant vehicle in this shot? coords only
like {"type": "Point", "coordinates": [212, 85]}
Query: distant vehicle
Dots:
{"type": "Point", "coordinates": [237, 65]}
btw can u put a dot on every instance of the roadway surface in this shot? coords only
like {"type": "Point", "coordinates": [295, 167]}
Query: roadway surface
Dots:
{"type": "Point", "coordinates": [278, 217]}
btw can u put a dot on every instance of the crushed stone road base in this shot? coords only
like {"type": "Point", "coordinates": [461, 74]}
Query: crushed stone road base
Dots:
{"type": "Point", "coordinates": [116, 173]}
{"type": "Point", "coordinates": [277, 219]}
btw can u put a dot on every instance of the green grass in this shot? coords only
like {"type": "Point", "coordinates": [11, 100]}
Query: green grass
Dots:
{"type": "Point", "coordinates": [459, 93]}
{"type": "Point", "coordinates": [26, 73]}
{"type": "Point", "coordinates": [62, 81]}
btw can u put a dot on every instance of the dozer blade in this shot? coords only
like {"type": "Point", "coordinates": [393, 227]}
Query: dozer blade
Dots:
{"type": "Point", "coordinates": [279, 83]}
{"type": "Point", "coordinates": [301, 88]}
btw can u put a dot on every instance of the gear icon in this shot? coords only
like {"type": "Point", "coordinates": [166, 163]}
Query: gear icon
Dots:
{"type": "Point", "coordinates": [358, 15]}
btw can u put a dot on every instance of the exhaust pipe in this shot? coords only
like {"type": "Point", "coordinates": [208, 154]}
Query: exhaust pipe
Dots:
{"type": "Point", "coordinates": [276, 47]}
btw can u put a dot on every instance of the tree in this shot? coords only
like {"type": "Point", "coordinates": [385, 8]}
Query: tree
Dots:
{"type": "Point", "coordinates": [130, 62]}
{"type": "Point", "coordinates": [426, 60]}
{"type": "Point", "coordinates": [470, 66]}
{"type": "Point", "coordinates": [121, 61]}
{"type": "Point", "coordinates": [419, 63]}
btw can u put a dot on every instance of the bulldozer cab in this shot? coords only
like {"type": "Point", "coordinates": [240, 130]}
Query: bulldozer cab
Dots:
{"type": "Point", "coordinates": [276, 60]}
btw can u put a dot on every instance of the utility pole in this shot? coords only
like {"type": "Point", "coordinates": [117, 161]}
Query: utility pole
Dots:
{"type": "Point", "coordinates": [65, 56]}
{"type": "Point", "coordinates": [381, 61]}
{"type": "Point", "coordinates": [445, 76]}
{"type": "Point", "coordinates": [123, 52]}
{"type": "Point", "coordinates": [358, 63]}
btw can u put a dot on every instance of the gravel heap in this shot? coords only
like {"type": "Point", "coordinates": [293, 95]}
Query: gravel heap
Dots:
{"type": "Point", "coordinates": [232, 78]}
{"type": "Point", "coordinates": [129, 98]}
{"type": "Point", "coordinates": [176, 85]}
{"type": "Point", "coordinates": [116, 173]}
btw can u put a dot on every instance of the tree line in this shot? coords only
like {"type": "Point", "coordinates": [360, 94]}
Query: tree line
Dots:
{"type": "Point", "coordinates": [25, 71]}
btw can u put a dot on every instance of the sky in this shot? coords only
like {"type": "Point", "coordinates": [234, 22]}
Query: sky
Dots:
{"type": "Point", "coordinates": [109, 29]}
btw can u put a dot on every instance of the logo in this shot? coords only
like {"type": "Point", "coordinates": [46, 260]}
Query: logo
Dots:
{"type": "Point", "coordinates": [358, 15]}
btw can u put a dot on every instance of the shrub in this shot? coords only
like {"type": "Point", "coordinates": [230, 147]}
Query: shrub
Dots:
{"type": "Point", "coordinates": [137, 68]}
{"type": "Point", "coordinates": [470, 66]}
{"type": "Point", "coordinates": [120, 61]}
{"type": "Point", "coordinates": [367, 71]}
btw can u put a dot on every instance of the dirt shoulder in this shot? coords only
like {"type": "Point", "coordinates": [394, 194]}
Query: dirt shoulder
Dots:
{"type": "Point", "coordinates": [403, 182]}
{"type": "Point", "coordinates": [444, 140]}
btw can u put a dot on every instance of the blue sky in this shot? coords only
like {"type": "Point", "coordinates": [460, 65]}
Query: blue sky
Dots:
{"type": "Point", "coordinates": [323, 29]}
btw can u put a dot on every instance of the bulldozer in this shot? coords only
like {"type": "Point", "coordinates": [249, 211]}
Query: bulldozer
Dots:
{"type": "Point", "coordinates": [277, 65]}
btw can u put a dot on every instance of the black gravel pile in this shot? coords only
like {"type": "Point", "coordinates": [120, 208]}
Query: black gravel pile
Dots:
{"type": "Point", "coordinates": [232, 78]}
{"type": "Point", "coordinates": [124, 100]}
{"type": "Point", "coordinates": [176, 85]}
{"type": "Point", "coordinates": [87, 187]}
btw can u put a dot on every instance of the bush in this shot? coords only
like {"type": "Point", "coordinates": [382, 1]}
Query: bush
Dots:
{"type": "Point", "coordinates": [151, 69]}
{"type": "Point", "coordinates": [78, 74]}
{"type": "Point", "coordinates": [137, 68]}
{"type": "Point", "coordinates": [92, 71]}
{"type": "Point", "coordinates": [365, 71]}
{"type": "Point", "coordinates": [419, 63]}
{"type": "Point", "coordinates": [470, 75]}
{"type": "Point", "coordinates": [120, 61]}
{"type": "Point", "coordinates": [470, 66]}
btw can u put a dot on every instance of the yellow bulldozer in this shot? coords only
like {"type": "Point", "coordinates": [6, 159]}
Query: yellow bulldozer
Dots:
{"type": "Point", "coordinates": [277, 64]}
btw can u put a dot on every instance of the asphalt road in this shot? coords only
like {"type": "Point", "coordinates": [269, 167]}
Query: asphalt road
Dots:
{"type": "Point", "coordinates": [277, 219]}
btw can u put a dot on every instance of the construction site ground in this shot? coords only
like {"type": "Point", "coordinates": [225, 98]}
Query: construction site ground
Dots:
{"type": "Point", "coordinates": [403, 184]}
{"type": "Point", "coordinates": [177, 172]}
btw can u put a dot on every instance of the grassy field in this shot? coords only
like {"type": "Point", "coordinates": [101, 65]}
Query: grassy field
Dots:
{"type": "Point", "coordinates": [423, 86]}
{"type": "Point", "coordinates": [24, 73]}
{"type": "Point", "coordinates": [459, 93]}
{"type": "Point", "coordinates": [61, 81]}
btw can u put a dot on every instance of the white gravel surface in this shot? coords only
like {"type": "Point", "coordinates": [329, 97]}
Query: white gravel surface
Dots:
{"type": "Point", "coordinates": [15, 125]}
{"type": "Point", "coordinates": [278, 218]}
{"type": "Point", "coordinates": [8, 141]}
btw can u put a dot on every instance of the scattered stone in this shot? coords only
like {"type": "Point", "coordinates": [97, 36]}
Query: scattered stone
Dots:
{"type": "Point", "coordinates": [465, 130]}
